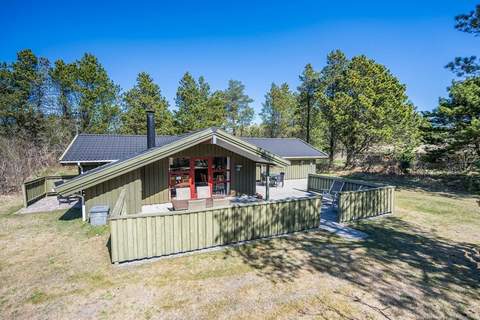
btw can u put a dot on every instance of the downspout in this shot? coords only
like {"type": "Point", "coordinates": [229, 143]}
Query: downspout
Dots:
{"type": "Point", "coordinates": [267, 181]}
{"type": "Point", "coordinates": [80, 194]}
{"type": "Point", "coordinates": [84, 212]}
{"type": "Point", "coordinates": [80, 168]}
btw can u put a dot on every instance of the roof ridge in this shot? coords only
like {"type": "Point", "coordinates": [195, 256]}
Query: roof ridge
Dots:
{"type": "Point", "coordinates": [312, 146]}
{"type": "Point", "coordinates": [291, 138]}
{"type": "Point", "coordinates": [124, 135]}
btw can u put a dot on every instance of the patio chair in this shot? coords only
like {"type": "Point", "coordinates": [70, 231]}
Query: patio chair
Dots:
{"type": "Point", "coordinates": [335, 189]}
{"type": "Point", "coordinates": [281, 179]}
{"type": "Point", "coordinates": [220, 202]}
{"type": "Point", "coordinates": [200, 204]}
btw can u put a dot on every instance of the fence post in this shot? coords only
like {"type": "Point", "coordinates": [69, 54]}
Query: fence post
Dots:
{"type": "Point", "coordinates": [393, 199]}
{"type": "Point", "coordinates": [24, 192]}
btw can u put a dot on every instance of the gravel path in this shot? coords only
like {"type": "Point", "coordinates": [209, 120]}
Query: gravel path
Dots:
{"type": "Point", "coordinates": [48, 204]}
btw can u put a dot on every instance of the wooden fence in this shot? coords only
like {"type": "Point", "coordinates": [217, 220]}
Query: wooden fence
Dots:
{"type": "Point", "coordinates": [320, 183]}
{"type": "Point", "coordinates": [355, 205]}
{"type": "Point", "coordinates": [151, 235]}
{"type": "Point", "coordinates": [371, 200]}
{"type": "Point", "coordinates": [36, 189]}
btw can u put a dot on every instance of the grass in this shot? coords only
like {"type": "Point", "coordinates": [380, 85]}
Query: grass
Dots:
{"type": "Point", "coordinates": [38, 297]}
{"type": "Point", "coordinates": [421, 262]}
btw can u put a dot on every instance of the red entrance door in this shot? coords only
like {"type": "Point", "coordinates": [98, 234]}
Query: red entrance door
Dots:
{"type": "Point", "coordinates": [201, 176]}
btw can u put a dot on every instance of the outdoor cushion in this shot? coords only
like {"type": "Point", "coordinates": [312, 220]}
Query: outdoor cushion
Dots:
{"type": "Point", "coordinates": [183, 194]}
{"type": "Point", "coordinates": [203, 192]}
{"type": "Point", "coordinates": [221, 202]}
{"type": "Point", "coordinates": [197, 204]}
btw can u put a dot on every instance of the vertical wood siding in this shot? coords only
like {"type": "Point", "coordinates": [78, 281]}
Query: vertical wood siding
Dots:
{"type": "Point", "coordinates": [354, 204]}
{"type": "Point", "coordinates": [155, 175]}
{"type": "Point", "coordinates": [155, 182]}
{"type": "Point", "coordinates": [144, 236]}
{"type": "Point", "coordinates": [107, 193]}
{"type": "Point", "coordinates": [149, 185]}
{"type": "Point", "coordinates": [35, 189]}
{"type": "Point", "coordinates": [298, 169]}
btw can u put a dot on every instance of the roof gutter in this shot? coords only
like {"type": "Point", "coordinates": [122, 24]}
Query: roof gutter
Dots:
{"type": "Point", "coordinates": [151, 155]}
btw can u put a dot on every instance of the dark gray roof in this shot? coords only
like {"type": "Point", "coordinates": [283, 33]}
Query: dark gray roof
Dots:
{"type": "Point", "coordinates": [287, 147]}
{"type": "Point", "coordinates": [100, 147]}
{"type": "Point", "coordinates": [103, 148]}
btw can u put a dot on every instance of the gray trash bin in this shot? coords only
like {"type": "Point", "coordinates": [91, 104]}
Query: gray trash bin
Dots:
{"type": "Point", "coordinates": [98, 215]}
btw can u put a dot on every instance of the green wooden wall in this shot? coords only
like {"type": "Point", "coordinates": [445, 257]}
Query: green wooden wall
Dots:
{"type": "Point", "coordinates": [107, 193]}
{"type": "Point", "coordinates": [149, 185]}
{"type": "Point", "coordinates": [155, 182]}
{"type": "Point", "coordinates": [144, 236]}
{"type": "Point", "coordinates": [155, 175]}
{"type": "Point", "coordinates": [298, 169]}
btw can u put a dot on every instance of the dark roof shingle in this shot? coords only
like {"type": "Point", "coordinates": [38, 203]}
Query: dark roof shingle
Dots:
{"type": "Point", "coordinates": [104, 148]}
{"type": "Point", "coordinates": [287, 147]}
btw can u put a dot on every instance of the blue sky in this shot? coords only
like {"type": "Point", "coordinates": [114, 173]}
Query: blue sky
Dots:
{"type": "Point", "coordinates": [257, 42]}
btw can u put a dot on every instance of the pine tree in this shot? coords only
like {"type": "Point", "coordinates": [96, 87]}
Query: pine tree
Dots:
{"type": "Point", "coordinates": [23, 94]}
{"type": "Point", "coordinates": [330, 77]}
{"type": "Point", "coordinates": [98, 106]}
{"type": "Point", "coordinates": [145, 95]}
{"type": "Point", "coordinates": [238, 111]}
{"type": "Point", "coordinates": [63, 79]}
{"type": "Point", "coordinates": [309, 83]}
{"type": "Point", "coordinates": [370, 107]}
{"type": "Point", "coordinates": [279, 112]}
{"type": "Point", "coordinates": [197, 107]}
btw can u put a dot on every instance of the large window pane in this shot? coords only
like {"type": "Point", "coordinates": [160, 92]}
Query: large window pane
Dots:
{"type": "Point", "coordinates": [179, 164]}
{"type": "Point", "coordinates": [201, 163]}
{"type": "Point", "coordinates": [220, 163]}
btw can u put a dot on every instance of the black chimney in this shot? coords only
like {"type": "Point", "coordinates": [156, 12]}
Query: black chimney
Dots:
{"type": "Point", "coordinates": [150, 129]}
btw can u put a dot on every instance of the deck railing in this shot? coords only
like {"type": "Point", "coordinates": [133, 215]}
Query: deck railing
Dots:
{"type": "Point", "coordinates": [120, 207]}
{"type": "Point", "coordinates": [36, 189]}
{"type": "Point", "coordinates": [358, 199]}
{"type": "Point", "coordinates": [151, 235]}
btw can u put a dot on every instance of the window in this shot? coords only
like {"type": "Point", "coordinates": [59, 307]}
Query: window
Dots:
{"type": "Point", "coordinates": [187, 175]}
{"type": "Point", "coordinates": [178, 175]}
{"type": "Point", "coordinates": [221, 176]}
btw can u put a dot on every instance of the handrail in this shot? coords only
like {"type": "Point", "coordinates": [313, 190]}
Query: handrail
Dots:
{"type": "Point", "coordinates": [119, 208]}
{"type": "Point", "coordinates": [355, 204]}
{"type": "Point", "coordinates": [233, 205]}
{"type": "Point", "coordinates": [134, 237]}
{"type": "Point", "coordinates": [353, 181]}
{"type": "Point", "coordinates": [39, 187]}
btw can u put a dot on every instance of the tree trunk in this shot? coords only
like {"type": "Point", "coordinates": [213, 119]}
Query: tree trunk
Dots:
{"type": "Point", "coordinates": [349, 162]}
{"type": "Point", "coordinates": [332, 148]}
{"type": "Point", "coordinates": [308, 119]}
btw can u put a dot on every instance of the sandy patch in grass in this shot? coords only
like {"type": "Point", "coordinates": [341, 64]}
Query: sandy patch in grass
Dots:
{"type": "Point", "coordinates": [415, 264]}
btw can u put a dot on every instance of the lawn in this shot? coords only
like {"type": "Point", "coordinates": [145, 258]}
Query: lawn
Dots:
{"type": "Point", "coordinates": [421, 262]}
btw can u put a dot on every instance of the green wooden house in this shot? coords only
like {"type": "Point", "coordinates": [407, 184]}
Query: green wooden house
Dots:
{"type": "Point", "coordinates": [158, 169]}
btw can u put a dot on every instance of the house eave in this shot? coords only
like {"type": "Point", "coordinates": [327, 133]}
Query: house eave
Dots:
{"type": "Point", "coordinates": [68, 148]}
{"type": "Point", "coordinates": [90, 179]}
{"type": "Point", "coordinates": [86, 161]}
{"type": "Point", "coordinates": [307, 157]}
